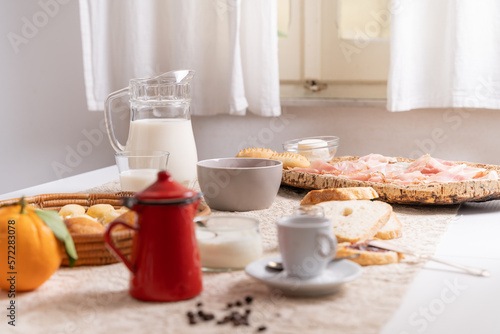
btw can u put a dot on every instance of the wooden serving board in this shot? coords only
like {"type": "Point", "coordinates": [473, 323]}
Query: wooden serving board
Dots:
{"type": "Point", "coordinates": [432, 193]}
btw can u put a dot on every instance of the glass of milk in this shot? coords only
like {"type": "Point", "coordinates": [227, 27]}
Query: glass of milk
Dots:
{"type": "Point", "coordinates": [139, 169]}
{"type": "Point", "coordinates": [228, 243]}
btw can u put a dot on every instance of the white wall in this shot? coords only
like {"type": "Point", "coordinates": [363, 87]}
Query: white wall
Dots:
{"type": "Point", "coordinates": [44, 111]}
{"type": "Point", "coordinates": [44, 114]}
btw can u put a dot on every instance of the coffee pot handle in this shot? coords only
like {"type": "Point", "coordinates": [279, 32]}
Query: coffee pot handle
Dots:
{"type": "Point", "coordinates": [332, 245]}
{"type": "Point", "coordinates": [111, 246]}
{"type": "Point", "coordinates": [107, 117]}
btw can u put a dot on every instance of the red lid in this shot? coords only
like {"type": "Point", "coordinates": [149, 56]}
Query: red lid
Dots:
{"type": "Point", "coordinates": [166, 191]}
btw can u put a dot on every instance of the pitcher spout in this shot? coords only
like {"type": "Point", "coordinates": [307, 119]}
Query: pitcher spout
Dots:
{"type": "Point", "coordinates": [172, 78]}
{"type": "Point", "coordinates": [180, 76]}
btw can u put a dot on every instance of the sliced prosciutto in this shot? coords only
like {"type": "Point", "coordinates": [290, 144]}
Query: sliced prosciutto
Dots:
{"type": "Point", "coordinates": [415, 177]}
{"type": "Point", "coordinates": [428, 165]}
{"type": "Point", "coordinates": [321, 165]}
{"type": "Point", "coordinates": [372, 159]}
{"type": "Point", "coordinates": [381, 169]}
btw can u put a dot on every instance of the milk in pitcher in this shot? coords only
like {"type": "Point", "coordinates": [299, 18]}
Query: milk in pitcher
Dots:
{"type": "Point", "coordinates": [172, 135]}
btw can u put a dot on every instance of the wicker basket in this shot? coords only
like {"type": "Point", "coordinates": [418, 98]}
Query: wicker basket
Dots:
{"type": "Point", "coordinates": [90, 247]}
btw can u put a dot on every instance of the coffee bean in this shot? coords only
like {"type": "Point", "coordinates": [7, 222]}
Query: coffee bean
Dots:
{"type": "Point", "coordinates": [235, 317]}
{"type": "Point", "coordinates": [238, 321]}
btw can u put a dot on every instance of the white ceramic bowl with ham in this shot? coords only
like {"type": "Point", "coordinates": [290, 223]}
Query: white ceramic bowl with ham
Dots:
{"type": "Point", "coordinates": [313, 148]}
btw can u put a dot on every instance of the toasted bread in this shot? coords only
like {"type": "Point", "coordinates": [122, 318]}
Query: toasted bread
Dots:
{"type": "Point", "coordinates": [368, 255]}
{"type": "Point", "coordinates": [356, 220]}
{"type": "Point", "coordinates": [338, 194]}
{"type": "Point", "coordinates": [393, 229]}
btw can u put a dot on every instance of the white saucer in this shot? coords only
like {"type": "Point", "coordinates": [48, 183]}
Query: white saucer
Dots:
{"type": "Point", "coordinates": [335, 275]}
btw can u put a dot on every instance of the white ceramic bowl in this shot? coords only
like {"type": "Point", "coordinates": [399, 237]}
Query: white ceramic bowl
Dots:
{"type": "Point", "coordinates": [239, 184]}
{"type": "Point", "coordinates": [321, 147]}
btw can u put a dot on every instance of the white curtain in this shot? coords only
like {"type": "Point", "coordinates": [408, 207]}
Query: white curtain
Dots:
{"type": "Point", "coordinates": [231, 44]}
{"type": "Point", "coordinates": [444, 54]}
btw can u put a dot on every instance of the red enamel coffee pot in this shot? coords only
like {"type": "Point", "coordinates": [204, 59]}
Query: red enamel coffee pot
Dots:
{"type": "Point", "coordinates": [165, 261]}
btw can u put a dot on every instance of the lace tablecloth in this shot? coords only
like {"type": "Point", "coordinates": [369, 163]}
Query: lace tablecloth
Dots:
{"type": "Point", "coordinates": [96, 299]}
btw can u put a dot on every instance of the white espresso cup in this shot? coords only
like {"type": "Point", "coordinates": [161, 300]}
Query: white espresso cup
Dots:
{"type": "Point", "coordinates": [306, 244]}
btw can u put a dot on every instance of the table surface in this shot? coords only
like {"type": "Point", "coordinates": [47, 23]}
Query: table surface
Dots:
{"type": "Point", "coordinates": [440, 299]}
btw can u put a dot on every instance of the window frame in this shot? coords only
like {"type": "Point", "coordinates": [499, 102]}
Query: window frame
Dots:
{"type": "Point", "coordinates": [314, 51]}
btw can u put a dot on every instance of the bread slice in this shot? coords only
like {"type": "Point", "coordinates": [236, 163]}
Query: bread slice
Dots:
{"type": "Point", "coordinates": [393, 229]}
{"type": "Point", "coordinates": [368, 255]}
{"type": "Point", "coordinates": [356, 220]}
{"type": "Point", "coordinates": [338, 194]}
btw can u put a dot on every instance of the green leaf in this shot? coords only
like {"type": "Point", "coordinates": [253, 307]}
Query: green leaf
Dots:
{"type": "Point", "coordinates": [56, 224]}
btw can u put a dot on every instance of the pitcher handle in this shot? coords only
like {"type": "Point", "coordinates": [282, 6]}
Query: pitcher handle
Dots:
{"type": "Point", "coordinates": [111, 246]}
{"type": "Point", "coordinates": [107, 117]}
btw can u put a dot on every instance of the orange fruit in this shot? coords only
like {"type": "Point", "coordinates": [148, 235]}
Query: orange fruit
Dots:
{"type": "Point", "coordinates": [28, 248]}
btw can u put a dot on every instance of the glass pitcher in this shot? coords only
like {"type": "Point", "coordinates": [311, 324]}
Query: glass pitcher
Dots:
{"type": "Point", "coordinates": [160, 120]}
